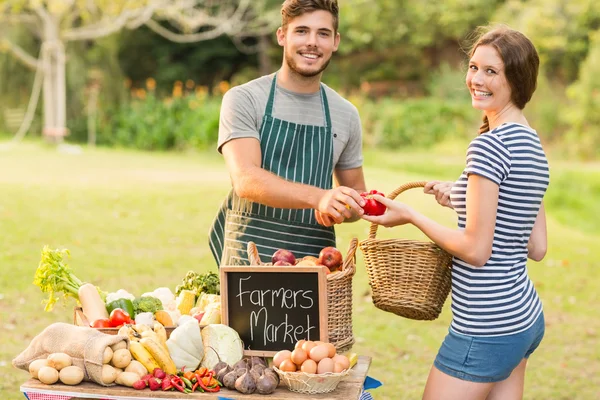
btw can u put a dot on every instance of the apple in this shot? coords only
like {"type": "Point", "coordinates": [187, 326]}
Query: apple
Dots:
{"type": "Point", "coordinates": [281, 263]}
{"type": "Point", "coordinates": [283, 255]}
{"type": "Point", "coordinates": [331, 257]}
{"type": "Point", "coordinates": [309, 261]}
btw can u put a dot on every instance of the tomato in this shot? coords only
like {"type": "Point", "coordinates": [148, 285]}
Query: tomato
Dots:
{"type": "Point", "coordinates": [101, 323]}
{"type": "Point", "coordinates": [372, 206]}
{"type": "Point", "coordinates": [119, 317]}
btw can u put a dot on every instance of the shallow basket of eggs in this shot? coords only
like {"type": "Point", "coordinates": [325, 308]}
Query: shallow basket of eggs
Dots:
{"type": "Point", "coordinates": [311, 369]}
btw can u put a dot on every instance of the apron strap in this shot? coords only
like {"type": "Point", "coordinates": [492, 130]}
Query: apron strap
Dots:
{"type": "Point", "coordinates": [325, 105]}
{"type": "Point", "coordinates": [324, 102]}
{"type": "Point", "coordinates": [271, 101]}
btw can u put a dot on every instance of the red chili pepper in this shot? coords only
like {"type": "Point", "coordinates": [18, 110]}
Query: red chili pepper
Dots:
{"type": "Point", "coordinates": [177, 383]}
{"type": "Point", "coordinates": [195, 386]}
{"type": "Point", "coordinates": [206, 388]}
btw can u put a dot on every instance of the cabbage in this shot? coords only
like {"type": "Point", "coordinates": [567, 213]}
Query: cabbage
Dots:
{"type": "Point", "coordinates": [221, 343]}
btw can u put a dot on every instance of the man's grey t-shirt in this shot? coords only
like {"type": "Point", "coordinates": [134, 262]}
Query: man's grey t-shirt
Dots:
{"type": "Point", "coordinates": [244, 106]}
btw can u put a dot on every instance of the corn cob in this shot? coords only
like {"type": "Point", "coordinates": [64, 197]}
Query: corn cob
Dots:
{"type": "Point", "coordinates": [139, 352]}
{"type": "Point", "coordinates": [185, 301]}
{"type": "Point", "coordinates": [159, 354]}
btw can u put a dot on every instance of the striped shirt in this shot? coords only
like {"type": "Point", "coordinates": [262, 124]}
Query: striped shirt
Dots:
{"type": "Point", "coordinates": [499, 298]}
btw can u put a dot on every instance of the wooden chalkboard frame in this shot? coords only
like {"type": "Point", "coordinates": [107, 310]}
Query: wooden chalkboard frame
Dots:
{"type": "Point", "coordinates": [322, 296]}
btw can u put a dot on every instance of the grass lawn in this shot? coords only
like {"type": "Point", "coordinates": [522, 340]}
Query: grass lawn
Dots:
{"type": "Point", "coordinates": [138, 221]}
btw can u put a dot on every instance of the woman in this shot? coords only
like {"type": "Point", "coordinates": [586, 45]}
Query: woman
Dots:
{"type": "Point", "coordinates": [497, 315]}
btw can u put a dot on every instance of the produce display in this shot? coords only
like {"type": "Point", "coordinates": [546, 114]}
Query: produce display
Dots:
{"type": "Point", "coordinates": [167, 341]}
{"type": "Point", "coordinates": [311, 357]}
{"type": "Point", "coordinates": [329, 257]}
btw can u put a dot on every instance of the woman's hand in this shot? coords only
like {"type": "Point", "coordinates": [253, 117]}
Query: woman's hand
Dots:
{"type": "Point", "coordinates": [396, 214]}
{"type": "Point", "coordinates": [441, 190]}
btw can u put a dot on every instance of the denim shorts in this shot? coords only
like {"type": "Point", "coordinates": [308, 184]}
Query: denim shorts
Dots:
{"type": "Point", "coordinates": [487, 358]}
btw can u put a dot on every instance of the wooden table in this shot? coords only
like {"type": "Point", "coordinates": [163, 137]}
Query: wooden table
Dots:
{"type": "Point", "coordinates": [348, 389]}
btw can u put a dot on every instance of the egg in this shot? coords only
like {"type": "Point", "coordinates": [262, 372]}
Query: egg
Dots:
{"type": "Point", "coordinates": [280, 356]}
{"type": "Point", "coordinates": [331, 349]}
{"type": "Point", "coordinates": [287, 366]}
{"type": "Point", "coordinates": [309, 366]}
{"type": "Point", "coordinates": [307, 346]}
{"type": "Point", "coordinates": [299, 343]}
{"type": "Point", "coordinates": [342, 360]}
{"type": "Point", "coordinates": [298, 356]}
{"type": "Point", "coordinates": [337, 367]}
{"type": "Point", "coordinates": [325, 365]}
{"type": "Point", "coordinates": [319, 352]}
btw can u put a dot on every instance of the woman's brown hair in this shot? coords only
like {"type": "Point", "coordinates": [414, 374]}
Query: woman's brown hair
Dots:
{"type": "Point", "coordinates": [521, 63]}
{"type": "Point", "coordinates": [291, 9]}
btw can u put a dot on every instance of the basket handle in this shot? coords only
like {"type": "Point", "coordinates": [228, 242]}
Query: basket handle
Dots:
{"type": "Point", "coordinates": [350, 260]}
{"type": "Point", "coordinates": [392, 196]}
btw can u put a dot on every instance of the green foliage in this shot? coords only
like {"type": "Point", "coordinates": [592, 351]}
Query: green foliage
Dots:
{"type": "Point", "coordinates": [415, 122]}
{"type": "Point", "coordinates": [54, 276]}
{"type": "Point", "coordinates": [558, 28]}
{"type": "Point", "coordinates": [151, 123]}
{"type": "Point", "coordinates": [583, 115]}
{"type": "Point", "coordinates": [144, 54]}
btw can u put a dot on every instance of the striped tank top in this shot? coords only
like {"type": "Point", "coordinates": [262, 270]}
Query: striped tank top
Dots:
{"type": "Point", "coordinates": [499, 298]}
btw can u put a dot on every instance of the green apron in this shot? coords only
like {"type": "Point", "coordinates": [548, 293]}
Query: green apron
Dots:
{"type": "Point", "coordinates": [299, 153]}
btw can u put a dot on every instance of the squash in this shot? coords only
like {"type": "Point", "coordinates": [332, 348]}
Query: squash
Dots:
{"type": "Point", "coordinates": [185, 345]}
{"type": "Point", "coordinates": [91, 303]}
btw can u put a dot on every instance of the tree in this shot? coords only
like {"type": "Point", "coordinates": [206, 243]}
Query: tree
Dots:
{"type": "Point", "coordinates": [57, 22]}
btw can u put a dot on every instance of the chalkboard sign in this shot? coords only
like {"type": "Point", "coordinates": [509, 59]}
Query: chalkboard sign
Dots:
{"type": "Point", "coordinates": [271, 308]}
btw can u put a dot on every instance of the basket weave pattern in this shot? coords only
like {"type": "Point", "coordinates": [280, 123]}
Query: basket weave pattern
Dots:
{"type": "Point", "coordinates": [409, 278]}
{"type": "Point", "coordinates": [339, 297]}
{"type": "Point", "coordinates": [302, 382]}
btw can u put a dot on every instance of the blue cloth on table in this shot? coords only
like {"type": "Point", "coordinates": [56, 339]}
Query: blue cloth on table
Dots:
{"type": "Point", "coordinates": [370, 383]}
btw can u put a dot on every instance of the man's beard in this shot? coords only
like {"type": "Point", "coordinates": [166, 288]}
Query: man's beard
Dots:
{"type": "Point", "coordinates": [289, 59]}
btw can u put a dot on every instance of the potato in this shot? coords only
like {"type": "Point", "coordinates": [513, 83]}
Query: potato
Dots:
{"type": "Point", "coordinates": [108, 354]}
{"type": "Point", "coordinates": [118, 346]}
{"type": "Point", "coordinates": [72, 375]}
{"type": "Point", "coordinates": [121, 358]}
{"type": "Point", "coordinates": [137, 367]}
{"type": "Point", "coordinates": [35, 366]}
{"type": "Point", "coordinates": [127, 379]}
{"type": "Point", "coordinates": [48, 375]}
{"type": "Point", "coordinates": [59, 360]}
{"type": "Point", "coordinates": [109, 374]}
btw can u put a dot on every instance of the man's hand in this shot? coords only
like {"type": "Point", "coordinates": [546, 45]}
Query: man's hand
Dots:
{"type": "Point", "coordinates": [338, 204]}
{"type": "Point", "coordinates": [441, 190]}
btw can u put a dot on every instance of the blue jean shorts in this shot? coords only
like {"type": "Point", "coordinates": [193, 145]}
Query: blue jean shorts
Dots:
{"type": "Point", "coordinates": [487, 358]}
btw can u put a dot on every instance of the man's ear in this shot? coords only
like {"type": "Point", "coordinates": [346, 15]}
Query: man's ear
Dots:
{"type": "Point", "coordinates": [336, 41]}
{"type": "Point", "coordinates": [281, 36]}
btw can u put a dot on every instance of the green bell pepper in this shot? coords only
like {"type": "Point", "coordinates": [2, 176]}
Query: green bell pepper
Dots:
{"type": "Point", "coordinates": [124, 304]}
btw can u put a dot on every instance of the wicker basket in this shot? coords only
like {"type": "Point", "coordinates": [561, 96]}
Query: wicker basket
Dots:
{"type": "Point", "coordinates": [407, 277]}
{"type": "Point", "coordinates": [339, 297]}
{"type": "Point", "coordinates": [302, 382]}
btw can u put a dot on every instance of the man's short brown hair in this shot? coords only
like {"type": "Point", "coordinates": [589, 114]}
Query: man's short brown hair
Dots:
{"type": "Point", "coordinates": [291, 9]}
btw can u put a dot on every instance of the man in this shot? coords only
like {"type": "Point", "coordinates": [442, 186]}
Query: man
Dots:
{"type": "Point", "coordinates": [285, 138]}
